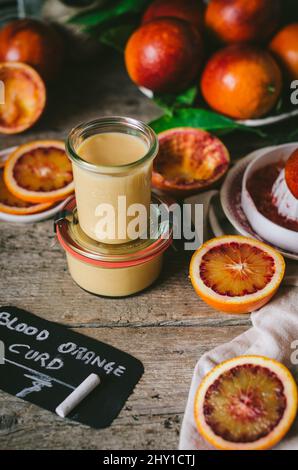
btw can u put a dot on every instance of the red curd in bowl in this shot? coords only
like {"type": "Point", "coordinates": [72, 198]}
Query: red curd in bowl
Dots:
{"type": "Point", "coordinates": [267, 202]}
{"type": "Point", "coordinates": [260, 186]}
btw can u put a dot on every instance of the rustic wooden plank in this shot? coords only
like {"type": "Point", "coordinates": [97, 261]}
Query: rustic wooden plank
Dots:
{"type": "Point", "coordinates": [151, 417]}
{"type": "Point", "coordinates": [34, 276]}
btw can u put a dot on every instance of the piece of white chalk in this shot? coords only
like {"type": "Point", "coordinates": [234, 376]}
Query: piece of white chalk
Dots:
{"type": "Point", "coordinates": [78, 395]}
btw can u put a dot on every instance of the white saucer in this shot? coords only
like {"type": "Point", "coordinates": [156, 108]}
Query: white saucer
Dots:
{"type": "Point", "coordinates": [30, 218]}
{"type": "Point", "coordinates": [227, 217]}
{"type": "Point", "coordinates": [275, 234]}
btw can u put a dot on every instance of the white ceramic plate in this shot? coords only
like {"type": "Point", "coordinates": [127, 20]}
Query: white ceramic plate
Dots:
{"type": "Point", "coordinates": [218, 222]}
{"type": "Point", "coordinates": [230, 198]}
{"type": "Point", "coordinates": [30, 218]}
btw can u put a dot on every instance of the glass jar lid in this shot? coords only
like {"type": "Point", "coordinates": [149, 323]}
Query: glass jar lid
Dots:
{"type": "Point", "coordinates": [157, 239]}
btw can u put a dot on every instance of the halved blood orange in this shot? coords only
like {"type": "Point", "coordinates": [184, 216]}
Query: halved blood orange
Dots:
{"type": "Point", "coordinates": [246, 403]}
{"type": "Point", "coordinates": [24, 96]}
{"type": "Point", "coordinates": [189, 160]}
{"type": "Point", "coordinates": [291, 173]}
{"type": "Point", "coordinates": [236, 274]}
{"type": "Point", "coordinates": [39, 171]}
{"type": "Point", "coordinates": [13, 205]}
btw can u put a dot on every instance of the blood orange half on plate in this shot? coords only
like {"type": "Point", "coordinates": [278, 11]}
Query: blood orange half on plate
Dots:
{"type": "Point", "coordinates": [291, 171]}
{"type": "Point", "coordinates": [246, 403]}
{"type": "Point", "coordinates": [9, 204]}
{"type": "Point", "coordinates": [189, 160]}
{"type": "Point", "coordinates": [39, 171]}
{"type": "Point", "coordinates": [236, 274]}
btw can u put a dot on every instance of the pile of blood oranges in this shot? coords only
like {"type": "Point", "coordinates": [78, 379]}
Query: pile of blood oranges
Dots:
{"type": "Point", "coordinates": [233, 50]}
{"type": "Point", "coordinates": [34, 177]}
{"type": "Point", "coordinates": [246, 403]}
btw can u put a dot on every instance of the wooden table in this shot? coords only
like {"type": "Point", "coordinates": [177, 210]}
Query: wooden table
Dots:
{"type": "Point", "coordinates": [167, 327]}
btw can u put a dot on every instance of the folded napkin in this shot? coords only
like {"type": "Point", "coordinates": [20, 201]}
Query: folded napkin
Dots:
{"type": "Point", "coordinates": [275, 328]}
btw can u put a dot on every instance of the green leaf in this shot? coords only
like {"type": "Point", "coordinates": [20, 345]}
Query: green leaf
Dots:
{"type": "Point", "coordinates": [168, 102]}
{"type": "Point", "coordinates": [187, 97]}
{"type": "Point", "coordinates": [199, 118]}
{"type": "Point", "coordinates": [107, 13]}
{"type": "Point", "coordinates": [117, 37]}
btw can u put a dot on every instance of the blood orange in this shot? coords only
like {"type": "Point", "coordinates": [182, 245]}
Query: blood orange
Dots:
{"type": "Point", "coordinates": [242, 21]}
{"type": "Point", "coordinates": [242, 82]}
{"type": "Point", "coordinates": [246, 403]}
{"type": "Point", "coordinates": [32, 42]}
{"type": "Point", "coordinates": [236, 274]}
{"type": "Point", "coordinates": [25, 97]}
{"type": "Point", "coordinates": [164, 55]}
{"type": "Point", "coordinates": [189, 160]}
{"type": "Point", "coordinates": [13, 205]}
{"type": "Point", "coordinates": [285, 47]}
{"type": "Point", "coordinates": [190, 11]}
{"type": "Point", "coordinates": [39, 171]}
{"type": "Point", "coordinates": [291, 172]}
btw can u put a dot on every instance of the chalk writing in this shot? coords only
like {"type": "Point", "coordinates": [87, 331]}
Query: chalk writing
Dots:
{"type": "Point", "coordinates": [12, 323]}
{"type": "Point", "coordinates": [37, 385]}
{"type": "Point", "coordinates": [40, 375]}
{"type": "Point", "coordinates": [89, 357]}
{"type": "Point", "coordinates": [45, 362]}
{"type": "Point", "coordinates": [43, 359]}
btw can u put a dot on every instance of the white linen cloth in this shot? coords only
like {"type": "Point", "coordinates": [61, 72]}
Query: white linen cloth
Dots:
{"type": "Point", "coordinates": [273, 333]}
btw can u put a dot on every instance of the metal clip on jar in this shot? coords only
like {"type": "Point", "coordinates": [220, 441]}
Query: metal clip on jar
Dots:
{"type": "Point", "coordinates": [114, 270]}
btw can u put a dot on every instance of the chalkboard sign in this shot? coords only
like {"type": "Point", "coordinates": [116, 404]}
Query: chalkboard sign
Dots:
{"type": "Point", "coordinates": [44, 362]}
